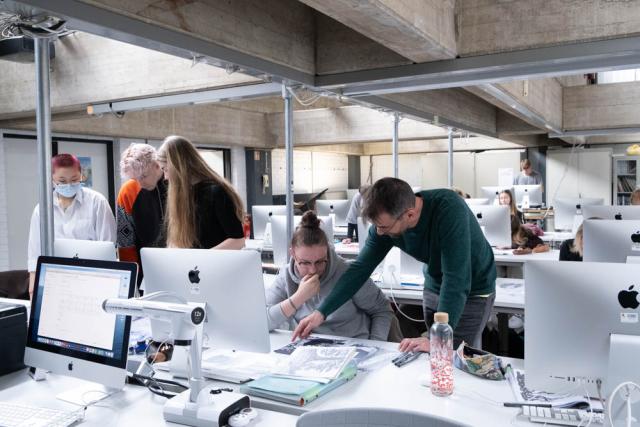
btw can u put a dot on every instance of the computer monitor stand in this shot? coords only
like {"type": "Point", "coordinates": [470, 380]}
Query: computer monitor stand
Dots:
{"type": "Point", "coordinates": [87, 394]}
{"type": "Point", "coordinates": [623, 351]}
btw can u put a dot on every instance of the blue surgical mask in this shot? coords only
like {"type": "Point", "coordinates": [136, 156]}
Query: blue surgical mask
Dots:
{"type": "Point", "coordinates": [68, 190]}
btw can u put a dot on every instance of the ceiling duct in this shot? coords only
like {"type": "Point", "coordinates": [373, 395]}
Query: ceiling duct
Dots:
{"type": "Point", "coordinates": [19, 25]}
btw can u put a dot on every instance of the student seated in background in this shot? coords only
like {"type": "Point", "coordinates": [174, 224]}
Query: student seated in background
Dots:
{"type": "Point", "coordinates": [524, 241]}
{"type": "Point", "coordinates": [353, 214]}
{"type": "Point", "coordinates": [506, 198]}
{"type": "Point", "coordinates": [635, 197]}
{"type": "Point", "coordinates": [203, 209]}
{"type": "Point", "coordinates": [312, 273]}
{"type": "Point", "coordinates": [78, 212]}
{"type": "Point", "coordinates": [572, 249]}
{"type": "Point", "coordinates": [141, 202]}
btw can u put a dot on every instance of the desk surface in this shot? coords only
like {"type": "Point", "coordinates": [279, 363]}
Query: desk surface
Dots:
{"type": "Point", "coordinates": [134, 406]}
{"type": "Point", "coordinates": [475, 401]}
{"type": "Point", "coordinates": [506, 256]}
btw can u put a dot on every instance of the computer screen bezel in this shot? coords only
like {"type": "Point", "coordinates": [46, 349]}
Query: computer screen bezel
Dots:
{"type": "Point", "coordinates": [119, 360]}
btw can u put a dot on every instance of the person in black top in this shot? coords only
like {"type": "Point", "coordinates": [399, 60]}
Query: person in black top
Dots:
{"type": "Point", "coordinates": [203, 209]}
{"type": "Point", "coordinates": [524, 241]}
{"type": "Point", "coordinates": [571, 249]}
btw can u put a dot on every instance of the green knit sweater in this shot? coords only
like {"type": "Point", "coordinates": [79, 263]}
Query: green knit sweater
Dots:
{"type": "Point", "coordinates": [459, 261]}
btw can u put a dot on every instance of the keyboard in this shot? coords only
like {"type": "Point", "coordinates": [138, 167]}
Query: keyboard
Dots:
{"type": "Point", "coordinates": [17, 415]}
{"type": "Point", "coordinates": [561, 416]}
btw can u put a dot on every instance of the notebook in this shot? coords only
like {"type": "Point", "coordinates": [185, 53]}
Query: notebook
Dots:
{"type": "Point", "coordinates": [295, 391]}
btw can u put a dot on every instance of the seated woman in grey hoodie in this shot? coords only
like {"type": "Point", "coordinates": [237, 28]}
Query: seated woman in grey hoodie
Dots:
{"type": "Point", "coordinates": [312, 273]}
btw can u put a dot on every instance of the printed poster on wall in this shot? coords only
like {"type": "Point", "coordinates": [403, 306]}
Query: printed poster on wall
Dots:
{"type": "Point", "coordinates": [505, 177]}
{"type": "Point", "coordinates": [87, 171]}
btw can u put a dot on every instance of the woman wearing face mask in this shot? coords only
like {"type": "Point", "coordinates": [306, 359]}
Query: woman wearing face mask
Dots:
{"type": "Point", "coordinates": [78, 212]}
{"type": "Point", "coordinates": [312, 273]}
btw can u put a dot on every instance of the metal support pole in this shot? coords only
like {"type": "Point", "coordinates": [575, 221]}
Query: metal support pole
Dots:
{"type": "Point", "coordinates": [450, 158]}
{"type": "Point", "coordinates": [288, 144]}
{"type": "Point", "coordinates": [43, 125]}
{"type": "Point", "coordinates": [394, 149]}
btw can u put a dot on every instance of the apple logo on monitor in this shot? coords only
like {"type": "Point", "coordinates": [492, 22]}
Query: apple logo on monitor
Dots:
{"type": "Point", "coordinates": [628, 298]}
{"type": "Point", "coordinates": [618, 216]}
{"type": "Point", "coordinates": [479, 215]}
{"type": "Point", "coordinates": [194, 275]}
{"type": "Point", "coordinates": [635, 237]}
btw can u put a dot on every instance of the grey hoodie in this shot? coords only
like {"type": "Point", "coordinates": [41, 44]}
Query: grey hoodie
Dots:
{"type": "Point", "coordinates": [367, 315]}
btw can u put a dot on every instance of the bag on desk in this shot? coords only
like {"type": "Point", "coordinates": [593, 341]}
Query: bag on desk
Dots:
{"type": "Point", "coordinates": [296, 391]}
{"type": "Point", "coordinates": [478, 362]}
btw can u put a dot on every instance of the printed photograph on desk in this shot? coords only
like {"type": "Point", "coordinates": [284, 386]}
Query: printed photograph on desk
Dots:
{"type": "Point", "coordinates": [367, 357]}
{"type": "Point", "coordinates": [319, 363]}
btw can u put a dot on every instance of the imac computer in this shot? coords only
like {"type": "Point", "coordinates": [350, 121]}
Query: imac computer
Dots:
{"type": "Point", "coordinates": [363, 232]}
{"type": "Point", "coordinates": [477, 202]}
{"type": "Point", "coordinates": [533, 191]}
{"type": "Point", "coordinates": [86, 249]}
{"type": "Point", "coordinates": [612, 212]}
{"type": "Point", "coordinates": [582, 326]}
{"type": "Point", "coordinates": [260, 216]}
{"type": "Point", "coordinates": [401, 270]}
{"type": "Point", "coordinates": [565, 211]}
{"type": "Point", "coordinates": [281, 240]}
{"type": "Point", "coordinates": [495, 222]}
{"type": "Point", "coordinates": [610, 240]}
{"type": "Point", "coordinates": [340, 209]}
{"type": "Point", "coordinates": [69, 333]}
{"type": "Point", "coordinates": [229, 282]}
{"type": "Point", "coordinates": [493, 192]}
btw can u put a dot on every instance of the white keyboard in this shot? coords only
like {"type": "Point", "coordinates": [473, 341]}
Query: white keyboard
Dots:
{"type": "Point", "coordinates": [17, 415]}
{"type": "Point", "coordinates": [561, 416]}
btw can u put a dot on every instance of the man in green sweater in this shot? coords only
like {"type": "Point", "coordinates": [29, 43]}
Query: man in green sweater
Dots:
{"type": "Point", "coordinates": [437, 228]}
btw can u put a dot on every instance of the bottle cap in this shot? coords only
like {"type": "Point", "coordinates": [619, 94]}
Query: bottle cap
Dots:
{"type": "Point", "coordinates": [441, 317]}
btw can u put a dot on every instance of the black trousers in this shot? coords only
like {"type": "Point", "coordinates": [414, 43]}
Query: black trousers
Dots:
{"type": "Point", "coordinates": [351, 228]}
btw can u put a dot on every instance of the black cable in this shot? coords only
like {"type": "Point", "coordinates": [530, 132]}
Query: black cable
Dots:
{"type": "Point", "coordinates": [155, 385]}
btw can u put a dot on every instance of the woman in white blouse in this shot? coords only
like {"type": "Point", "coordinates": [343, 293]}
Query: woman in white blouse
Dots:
{"type": "Point", "coordinates": [78, 212]}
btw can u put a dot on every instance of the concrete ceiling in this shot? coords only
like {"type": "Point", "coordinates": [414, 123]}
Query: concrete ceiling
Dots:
{"type": "Point", "coordinates": [315, 41]}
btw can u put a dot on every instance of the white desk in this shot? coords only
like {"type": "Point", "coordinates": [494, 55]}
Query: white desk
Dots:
{"type": "Point", "coordinates": [509, 296]}
{"type": "Point", "coordinates": [134, 406]}
{"type": "Point", "coordinates": [350, 250]}
{"type": "Point", "coordinates": [506, 257]}
{"type": "Point", "coordinates": [474, 401]}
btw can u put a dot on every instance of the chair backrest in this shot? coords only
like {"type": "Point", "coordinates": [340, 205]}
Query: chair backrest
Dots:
{"type": "Point", "coordinates": [14, 284]}
{"type": "Point", "coordinates": [373, 417]}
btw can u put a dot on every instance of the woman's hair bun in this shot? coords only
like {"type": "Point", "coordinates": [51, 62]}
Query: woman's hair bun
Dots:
{"type": "Point", "coordinates": [310, 220]}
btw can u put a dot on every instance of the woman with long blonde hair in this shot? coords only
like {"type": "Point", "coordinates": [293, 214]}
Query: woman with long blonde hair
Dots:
{"type": "Point", "coordinates": [203, 209]}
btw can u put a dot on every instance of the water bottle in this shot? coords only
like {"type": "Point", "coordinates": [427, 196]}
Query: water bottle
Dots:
{"type": "Point", "coordinates": [441, 343]}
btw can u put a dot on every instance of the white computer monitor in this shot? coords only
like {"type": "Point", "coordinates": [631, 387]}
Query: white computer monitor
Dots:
{"type": "Point", "coordinates": [416, 188]}
{"type": "Point", "coordinates": [495, 222]}
{"type": "Point", "coordinates": [612, 212]}
{"type": "Point", "coordinates": [260, 216]}
{"type": "Point", "coordinates": [281, 241]}
{"type": "Point", "coordinates": [340, 208]}
{"type": "Point", "coordinates": [610, 240]}
{"type": "Point", "coordinates": [86, 249]}
{"type": "Point", "coordinates": [576, 314]}
{"type": "Point", "coordinates": [533, 191]}
{"type": "Point", "coordinates": [492, 192]}
{"type": "Point", "coordinates": [402, 270]}
{"type": "Point", "coordinates": [229, 282]}
{"type": "Point", "coordinates": [69, 332]}
{"type": "Point", "coordinates": [566, 209]}
{"type": "Point", "coordinates": [477, 202]}
{"type": "Point", "coordinates": [363, 232]}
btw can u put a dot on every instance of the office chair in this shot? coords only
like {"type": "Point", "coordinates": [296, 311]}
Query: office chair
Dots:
{"type": "Point", "coordinates": [372, 417]}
